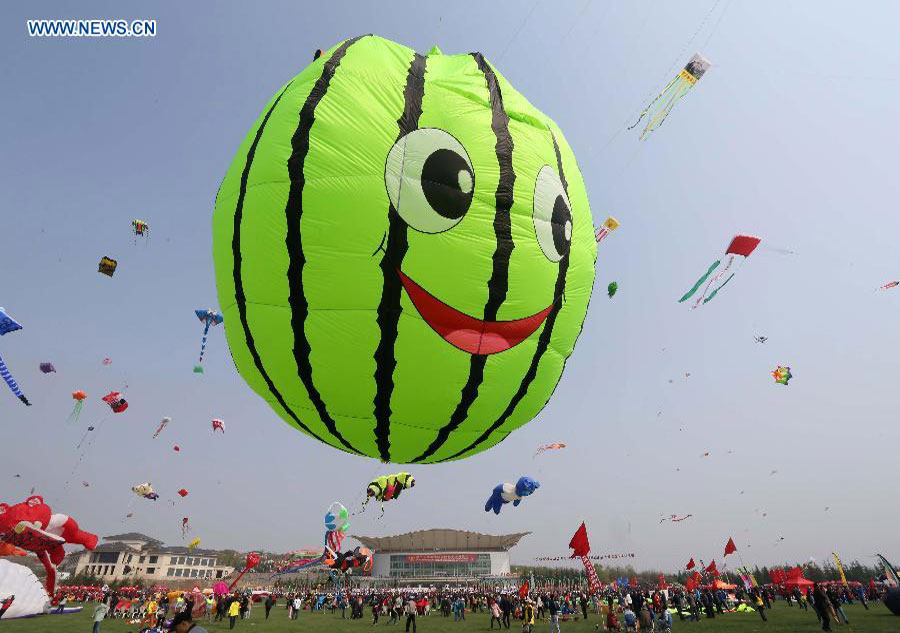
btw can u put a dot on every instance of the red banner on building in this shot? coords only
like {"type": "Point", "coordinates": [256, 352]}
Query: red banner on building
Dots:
{"type": "Point", "coordinates": [441, 558]}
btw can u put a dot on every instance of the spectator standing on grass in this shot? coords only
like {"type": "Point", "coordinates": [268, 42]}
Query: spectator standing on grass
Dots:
{"type": "Point", "coordinates": [630, 619]}
{"type": "Point", "coordinates": [528, 616]}
{"type": "Point", "coordinates": [411, 614]}
{"type": "Point", "coordinates": [234, 610]}
{"type": "Point", "coordinates": [821, 604]}
{"type": "Point", "coordinates": [759, 604]}
{"type": "Point", "coordinates": [495, 615]}
{"type": "Point", "coordinates": [835, 599]}
{"type": "Point", "coordinates": [296, 606]}
{"type": "Point", "coordinates": [99, 613]}
{"type": "Point", "coordinates": [612, 621]}
{"type": "Point", "coordinates": [553, 609]}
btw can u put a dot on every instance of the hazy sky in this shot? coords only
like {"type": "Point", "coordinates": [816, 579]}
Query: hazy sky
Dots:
{"type": "Point", "coordinates": [790, 136]}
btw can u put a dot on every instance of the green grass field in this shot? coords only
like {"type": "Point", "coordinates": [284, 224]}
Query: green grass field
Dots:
{"type": "Point", "coordinates": [782, 619]}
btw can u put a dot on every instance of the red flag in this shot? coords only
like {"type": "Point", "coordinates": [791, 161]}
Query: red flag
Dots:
{"type": "Point", "coordinates": [691, 564]}
{"type": "Point", "coordinates": [697, 578]}
{"type": "Point", "coordinates": [691, 584]}
{"type": "Point", "coordinates": [711, 568]}
{"type": "Point", "coordinates": [661, 582]}
{"type": "Point", "coordinates": [730, 547]}
{"type": "Point", "coordinates": [580, 543]}
{"type": "Point", "coordinates": [523, 590]}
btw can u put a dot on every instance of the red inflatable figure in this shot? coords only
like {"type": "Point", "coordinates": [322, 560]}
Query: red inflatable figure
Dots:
{"type": "Point", "coordinates": [32, 526]}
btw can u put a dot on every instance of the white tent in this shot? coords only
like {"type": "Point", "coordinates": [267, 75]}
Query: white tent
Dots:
{"type": "Point", "coordinates": [19, 581]}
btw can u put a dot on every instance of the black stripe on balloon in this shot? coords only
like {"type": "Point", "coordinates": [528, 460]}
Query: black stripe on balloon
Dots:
{"type": "Point", "coordinates": [240, 296]}
{"type": "Point", "coordinates": [498, 284]}
{"type": "Point", "coordinates": [293, 212]}
{"type": "Point", "coordinates": [388, 315]}
{"type": "Point", "coordinates": [543, 339]}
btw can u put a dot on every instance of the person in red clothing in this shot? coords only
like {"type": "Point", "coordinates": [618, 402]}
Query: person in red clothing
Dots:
{"type": "Point", "coordinates": [6, 604]}
{"type": "Point", "coordinates": [612, 622]}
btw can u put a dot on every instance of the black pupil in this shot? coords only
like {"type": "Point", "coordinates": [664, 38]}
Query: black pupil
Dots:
{"type": "Point", "coordinates": [562, 217]}
{"type": "Point", "coordinates": [441, 183]}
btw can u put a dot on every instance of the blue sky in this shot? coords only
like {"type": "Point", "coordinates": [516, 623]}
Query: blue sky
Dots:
{"type": "Point", "coordinates": [789, 136]}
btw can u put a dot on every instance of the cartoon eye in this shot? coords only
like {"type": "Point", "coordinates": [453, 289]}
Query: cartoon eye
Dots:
{"type": "Point", "coordinates": [430, 180]}
{"type": "Point", "coordinates": [552, 215]}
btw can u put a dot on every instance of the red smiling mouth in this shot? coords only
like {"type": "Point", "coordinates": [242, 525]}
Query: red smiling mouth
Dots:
{"type": "Point", "coordinates": [468, 333]}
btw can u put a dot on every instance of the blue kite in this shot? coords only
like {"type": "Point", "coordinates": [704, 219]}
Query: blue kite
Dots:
{"type": "Point", "coordinates": [7, 325]}
{"type": "Point", "coordinates": [208, 317]}
{"type": "Point", "coordinates": [504, 493]}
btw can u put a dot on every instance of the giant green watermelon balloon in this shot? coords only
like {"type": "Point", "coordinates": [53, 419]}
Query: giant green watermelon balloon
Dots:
{"type": "Point", "coordinates": [404, 253]}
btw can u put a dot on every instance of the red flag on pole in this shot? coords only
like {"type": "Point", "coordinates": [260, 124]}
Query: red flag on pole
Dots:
{"type": "Point", "coordinates": [691, 564]}
{"type": "Point", "coordinates": [711, 568]}
{"type": "Point", "coordinates": [730, 547]}
{"type": "Point", "coordinates": [697, 578]}
{"type": "Point", "coordinates": [580, 542]}
{"type": "Point", "coordinates": [523, 590]}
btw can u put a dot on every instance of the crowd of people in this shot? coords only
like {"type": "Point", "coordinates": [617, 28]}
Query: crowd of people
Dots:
{"type": "Point", "coordinates": [616, 609]}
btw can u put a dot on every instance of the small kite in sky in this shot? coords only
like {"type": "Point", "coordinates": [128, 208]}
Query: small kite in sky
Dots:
{"type": "Point", "coordinates": [610, 225]}
{"type": "Point", "coordinates": [782, 374]}
{"type": "Point", "coordinates": [549, 447]}
{"type": "Point", "coordinates": [612, 289]}
{"type": "Point", "coordinates": [183, 492]}
{"type": "Point", "coordinates": [662, 105]}
{"type": "Point", "coordinates": [760, 339]}
{"type": "Point", "coordinates": [890, 284]}
{"type": "Point", "coordinates": [738, 251]}
{"type": "Point", "coordinates": [47, 368]}
{"type": "Point", "coordinates": [218, 425]}
{"type": "Point", "coordinates": [7, 325]}
{"type": "Point", "coordinates": [116, 401]}
{"type": "Point", "coordinates": [79, 398]}
{"type": "Point", "coordinates": [208, 318]}
{"type": "Point", "coordinates": [162, 425]}
{"type": "Point", "coordinates": [107, 266]}
{"type": "Point", "coordinates": [140, 229]}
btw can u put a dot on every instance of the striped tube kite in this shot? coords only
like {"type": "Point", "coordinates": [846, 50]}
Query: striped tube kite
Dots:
{"type": "Point", "coordinates": [738, 250]}
{"type": "Point", "coordinates": [426, 312]}
{"type": "Point", "coordinates": [7, 325]}
{"type": "Point", "coordinates": [662, 105]}
{"type": "Point", "coordinates": [610, 225]}
{"type": "Point", "coordinates": [208, 318]}
{"type": "Point", "coordinates": [581, 548]}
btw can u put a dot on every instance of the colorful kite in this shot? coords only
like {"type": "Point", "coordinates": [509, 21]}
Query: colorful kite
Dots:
{"type": "Point", "coordinates": [608, 227]}
{"type": "Point", "coordinates": [185, 526]}
{"type": "Point", "coordinates": [738, 251]}
{"type": "Point", "coordinates": [162, 425]}
{"type": "Point", "coordinates": [760, 339]}
{"type": "Point", "coordinates": [782, 375]}
{"type": "Point", "coordinates": [79, 398]}
{"type": "Point", "coordinates": [388, 487]}
{"type": "Point", "coordinates": [890, 284]}
{"type": "Point", "coordinates": [298, 560]}
{"type": "Point", "coordinates": [193, 545]}
{"type": "Point", "coordinates": [107, 361]}
{"type": "Point", "coordinates": [506, 493]}
{"type": "Point", "coordinates": [359, 557]}
{"type": "Point", "coordinates": [218, 425]}
{"type": "Point", "coordinates": [108, 266]}
{"type": "Point", "coordinates": [116, 401]}
{"type": "Point", "coordinates": [337, 518]}
{"type": "Point", "coordinates": [7, 325]}
{"type": "Point", "coordinates": [208, 318]}
{"type": "Point", "coordinates": [612, 288]}
{"type": "Point", "coordinates": [145, 490]}
{"type": "Point", "coordinates": [355, 333]}
{"type": "Point", "coordinates": [47, 368]}
{"type": "Point", "coordinates": [32, 526]}
{"type": "Point", "coordinates": [549, 447]}
{"type": "Point", "coordinates": [140, 229]}
{"type": "Point", "coordinates": [581, 547]}
{"type": "Point", "coordinates": [251, 562]}
{"type": "Point", "coordinates": [662, 105]}
{"type": "Point", "coordinates": [182, 493]}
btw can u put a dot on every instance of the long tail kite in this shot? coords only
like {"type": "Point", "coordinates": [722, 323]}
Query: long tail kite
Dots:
{"type": "Point", "coordinates": [739, 250]}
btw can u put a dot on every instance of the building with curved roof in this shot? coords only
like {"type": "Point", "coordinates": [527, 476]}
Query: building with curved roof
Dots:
{"type": "Point", "coordinates": [441, 555]}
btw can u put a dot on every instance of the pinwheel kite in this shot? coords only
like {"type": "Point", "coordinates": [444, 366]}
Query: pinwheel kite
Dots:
{"type": "Point", "coordinates": [7, 325]}
{"type": "Point", "coordinates": [504, 493]}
